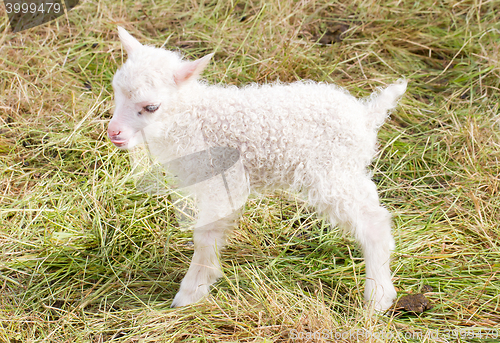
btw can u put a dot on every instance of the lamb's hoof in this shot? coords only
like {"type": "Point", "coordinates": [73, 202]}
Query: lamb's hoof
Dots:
{"type": "Point", "coordinates": [188, 297]}
{"type": "Point", "coordinates": [380, 306]}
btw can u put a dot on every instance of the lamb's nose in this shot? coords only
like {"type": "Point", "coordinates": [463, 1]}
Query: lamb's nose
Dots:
{"type": "Point", "coordinates": [113, 132]}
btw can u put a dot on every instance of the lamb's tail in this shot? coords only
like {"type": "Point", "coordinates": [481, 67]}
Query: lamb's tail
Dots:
{"type": "Point", "coordinates": [383, 101]}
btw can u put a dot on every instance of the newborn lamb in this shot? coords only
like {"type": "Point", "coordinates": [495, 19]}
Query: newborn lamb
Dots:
{"type": "Point", "coordinates": [308, 137]}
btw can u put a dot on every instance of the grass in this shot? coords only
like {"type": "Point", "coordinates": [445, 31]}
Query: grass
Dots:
{"type": "Point", "coordinates": [85, 257]}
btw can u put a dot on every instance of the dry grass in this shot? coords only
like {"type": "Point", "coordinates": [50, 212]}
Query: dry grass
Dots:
{"type": "Point", "coordinates": [87, 258]}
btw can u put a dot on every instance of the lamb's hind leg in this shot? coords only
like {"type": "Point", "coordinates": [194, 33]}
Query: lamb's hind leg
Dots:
{"type": "Point", "coordinates": [204, 269]}
{"type": "Point", "coordinates": [373, 232]}
{"type": "Point", "coordinates": [370, 224]}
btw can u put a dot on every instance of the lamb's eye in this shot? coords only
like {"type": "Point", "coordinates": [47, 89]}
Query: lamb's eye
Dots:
{"type": "Point", "coordinates": [151, 108]}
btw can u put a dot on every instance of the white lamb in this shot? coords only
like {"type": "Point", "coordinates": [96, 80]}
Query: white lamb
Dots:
{"type": "Point", "coordinates": [313, 138]}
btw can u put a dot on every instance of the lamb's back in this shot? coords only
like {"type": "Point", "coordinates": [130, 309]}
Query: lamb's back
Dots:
{"type": "Point", "coordinates": [279, 129]}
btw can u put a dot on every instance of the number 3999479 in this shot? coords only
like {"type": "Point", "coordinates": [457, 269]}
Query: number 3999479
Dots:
{"type": "Point", "coordinates": [44, 7]}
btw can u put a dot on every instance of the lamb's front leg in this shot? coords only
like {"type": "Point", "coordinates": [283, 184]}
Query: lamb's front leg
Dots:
{"type": "Point", "coordinates": [204, 269]}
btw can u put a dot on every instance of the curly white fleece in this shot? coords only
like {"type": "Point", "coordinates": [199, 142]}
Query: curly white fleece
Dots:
{"type": "Point", "coordinates": [306, 136]}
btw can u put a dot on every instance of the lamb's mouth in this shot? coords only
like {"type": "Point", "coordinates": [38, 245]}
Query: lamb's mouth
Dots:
{"type": "Point", "coordinates": [119, 143]}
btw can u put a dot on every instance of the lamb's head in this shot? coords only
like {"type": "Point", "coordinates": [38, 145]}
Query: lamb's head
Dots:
{"type": "Point", "coordinates": [146, 87]}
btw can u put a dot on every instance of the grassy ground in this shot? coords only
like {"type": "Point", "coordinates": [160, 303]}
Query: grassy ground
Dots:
{"type": "Point", "coordinates": [87, 258]}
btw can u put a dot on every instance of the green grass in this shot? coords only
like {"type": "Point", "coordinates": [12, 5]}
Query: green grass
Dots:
{"type": "Point", "coordinates": [85, 257]}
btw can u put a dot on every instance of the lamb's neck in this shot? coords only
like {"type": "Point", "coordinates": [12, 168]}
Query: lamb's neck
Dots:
{"type": "Point", "coordinates": [192, 94]}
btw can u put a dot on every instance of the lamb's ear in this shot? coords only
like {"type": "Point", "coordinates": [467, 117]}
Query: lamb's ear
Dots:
{"type": "Point", "coordinates": [129, 43]}
{"type": "Point", "coordinates": [191, 70]}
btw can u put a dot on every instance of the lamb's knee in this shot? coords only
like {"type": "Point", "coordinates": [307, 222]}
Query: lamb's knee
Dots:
{"type": "Point", "coordinates": [209, 238]}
